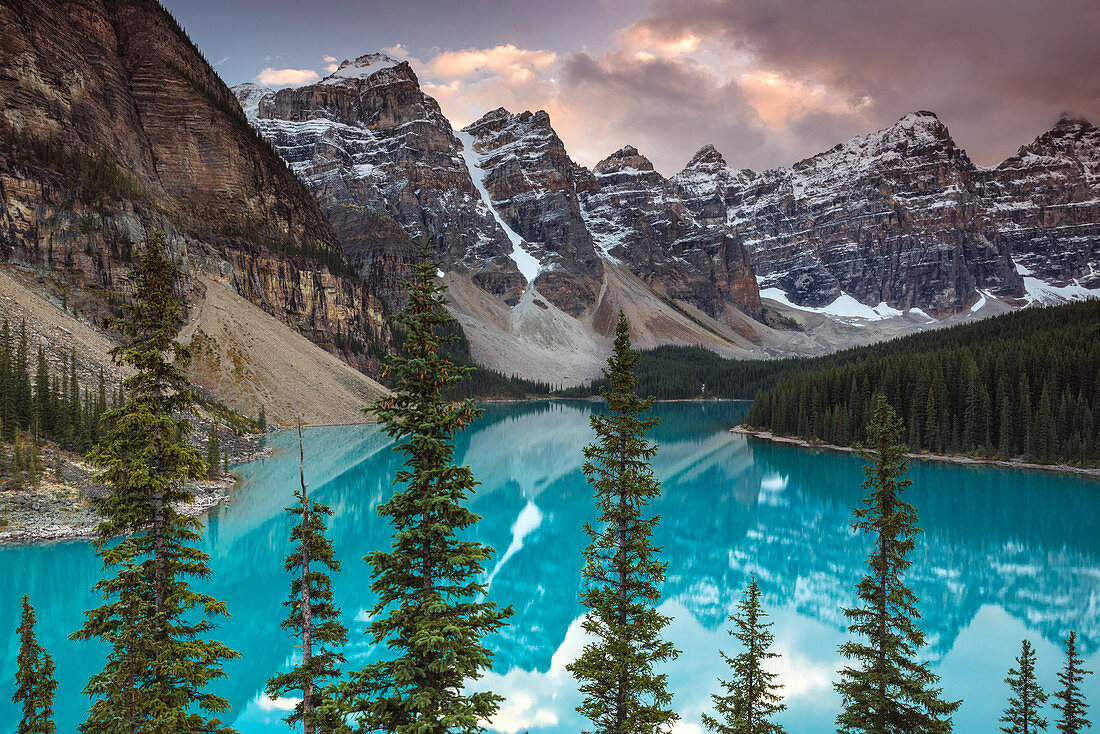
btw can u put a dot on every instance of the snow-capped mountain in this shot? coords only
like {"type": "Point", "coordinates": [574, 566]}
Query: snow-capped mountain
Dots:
{"type": "Point", "coordinates": [514, 218]}
{"type": "Point", "coordinates": [897, 226]}
{"type": "Point", "coordinates": [903, 217]}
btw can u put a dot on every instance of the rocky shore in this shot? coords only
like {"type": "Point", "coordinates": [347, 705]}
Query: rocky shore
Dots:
{"type": "Point", "coordinates": [63, 508]}
{"type": "Point", "coordinates": [1014, 464]}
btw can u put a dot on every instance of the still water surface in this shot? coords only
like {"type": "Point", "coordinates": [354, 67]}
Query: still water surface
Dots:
{"type": "Point", "coordinates": [1006, 554]}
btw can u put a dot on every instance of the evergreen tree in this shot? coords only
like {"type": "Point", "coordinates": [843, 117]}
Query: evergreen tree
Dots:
{"type": "Point", "coordinates": [262, 420]}
{"type": "Point", "coordinates": [623, 692]}
{"type": "Point", "coordinates": [1027, 698]}
{"type": "Point", "coordinates": [752, 697]}
{"type": "Point", "coordinates": [429, 613]}
{"type": "Point", "coordinates": [1071, 705]}
{"type": "Point", "coordinates": [888, 691]}
{"type": "Point", "coordinates": [213, 453]}
{"type": "Point", "coordinates": [34, 679]}
{"type": "Point", "coordinates": [155, 624]}
{"type": "Point", "coordinates": [313, 617]}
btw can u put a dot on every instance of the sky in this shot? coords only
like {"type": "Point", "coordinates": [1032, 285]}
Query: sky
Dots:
{"type": "Point", "coordinates": [768, 82]}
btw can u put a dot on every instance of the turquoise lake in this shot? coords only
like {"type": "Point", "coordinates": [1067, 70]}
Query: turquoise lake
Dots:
{"type": "Point", "coordinates": [1005, 554]}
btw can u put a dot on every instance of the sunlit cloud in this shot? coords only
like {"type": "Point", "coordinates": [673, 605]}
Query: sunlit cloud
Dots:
{"type": "Point", "coordinates": [272, 77]}
{"type": "Point", "coordinates": [330, 63]}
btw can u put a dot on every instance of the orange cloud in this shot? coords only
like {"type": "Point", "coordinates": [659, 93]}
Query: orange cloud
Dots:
{"type": "Point", "coordinates": [271, 77]}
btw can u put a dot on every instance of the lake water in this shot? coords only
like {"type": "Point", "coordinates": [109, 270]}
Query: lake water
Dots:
{"type": "Point", "coordinates": [1006, 554]}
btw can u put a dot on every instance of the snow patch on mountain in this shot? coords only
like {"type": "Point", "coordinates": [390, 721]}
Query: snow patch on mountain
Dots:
{"type": "Point", "coordinates": [363, 67]}
{"type": "Point", "coordinates": [844, 307]}
{"type": "Point", "coordinates": [525, 261]}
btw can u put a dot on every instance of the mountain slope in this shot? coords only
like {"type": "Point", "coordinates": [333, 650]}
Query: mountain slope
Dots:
{"type": "Point", "coordinates": [112, 123]}
{"type": "Point", "coordinates": [502, 200]}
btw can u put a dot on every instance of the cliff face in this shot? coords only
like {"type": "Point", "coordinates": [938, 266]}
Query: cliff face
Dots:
{"type": "Point", "coordinates": [112, 123]}
{"type": "Point", "coordinates": [636, 217]}
{"type": "Point", "coordinates": [903, 216]}
{"type": "Point", "coordinates": [374, 149]}
{"type": "Point", "coordinates": [533, 184]}
{"type": "Point", "coordinates": [500, 195]}
{"type": "Point", "coordinates": [1045, 203]}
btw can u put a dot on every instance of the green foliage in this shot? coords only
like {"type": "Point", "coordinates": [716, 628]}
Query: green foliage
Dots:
{"type": "Point", "coordinates": [34, 679]}
{"type": "Point", "coordinates": [617, 670]}
{"type": "Point", "coordinates": [430, 615]}
{"type": "Point", "coordinates": [49, 407]}
{"type": "Point", "coordinates": [213, 452]}
{"type": "Point", "coordinates": [154, 623]}
{"type": "Point", "coordinates": [1071, 703]}
{"type": "Point", "coordinates": [261, 421]}
{"type": "Point", "coordinates": [1027, 697]}
{"type": "Point", "coordinates": [1022, 384]}
{"type": "Point", "coordinates": [888, 691]}
{"type": "Point", "coordinates": [751, 697]}
{"type": "Point", "coordinates": [313, 616]}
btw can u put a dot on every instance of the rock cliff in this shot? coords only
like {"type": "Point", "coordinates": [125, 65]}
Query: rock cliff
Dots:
{"type": "Point", "coordinates": [112, 123]}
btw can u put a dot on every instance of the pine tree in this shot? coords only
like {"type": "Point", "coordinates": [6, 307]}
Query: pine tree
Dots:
{"type": "Point", "coordinates": [213, 453]}
{"type": "Point", "coordinates": [752, 697]}
{"type": "Point", "coordinates": [314, 617]}
{"type": "Point", "coordinates": [623, 692]}
{"type": "Point", "coordinates": [888, 692]}
{"type": "Point", "coordinates": [1072, 705]}
{"type": "Point", "coordinates": [430, 613]}
{"type": "Point", "coordinates": [262, 420]}
{"type": "Point", "coordinates": [34, 679]}
{"type": "Point", "coordinates": [1022, 714]}
{"type": "Point", "coordinates": [155, 624]}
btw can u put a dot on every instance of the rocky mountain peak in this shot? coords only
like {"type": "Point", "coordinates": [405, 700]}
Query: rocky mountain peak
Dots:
{"type": "Point", "coordinates": [250, 95]}
{"type": "Point", "coordinates": [706, 158]}
{"type": "Point", "coordinates": [1069, 120]}
{"type": "Point", "coordinates": [624, 160]}
{"type": "Point", "coordinates": [366, 66]}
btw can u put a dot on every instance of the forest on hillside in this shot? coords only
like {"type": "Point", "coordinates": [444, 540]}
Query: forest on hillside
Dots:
{"type": "Point", "coordinates": [1025, 384]}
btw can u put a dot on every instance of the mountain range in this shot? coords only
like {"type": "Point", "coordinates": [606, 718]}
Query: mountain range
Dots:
{"type": "Point", "coordinates": [885, 233]}
{"type": "Point", "coordinates": [306, 204]}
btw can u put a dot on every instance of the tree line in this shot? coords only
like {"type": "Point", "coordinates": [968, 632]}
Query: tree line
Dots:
{"type": "Point", "coordinates": [39, 404]}
{"type": "Point", "coordinates": [431, 619]}
{"type": "Point", "coordinates": [1025, 384]}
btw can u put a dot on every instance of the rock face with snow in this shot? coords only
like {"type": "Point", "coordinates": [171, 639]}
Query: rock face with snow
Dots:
{"type": "Point", "coordinates": [533, 184]}
{"type": "Point", "coordinates": [636, 216]}
{"type": "Point", "coordinates": [375, 150]}
{"type": "Point", "coordinates": [902, 216]}
{"type": "Point", "coordinates": [1045, 202]}
{"type": "Point", "coordinates": [507, 204]}
{"type": "Point", "coordinates": [894, 216]}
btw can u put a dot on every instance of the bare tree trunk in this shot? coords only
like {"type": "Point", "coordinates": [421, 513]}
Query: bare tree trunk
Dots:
{"type": "Point", "coordinates": [306, 609]}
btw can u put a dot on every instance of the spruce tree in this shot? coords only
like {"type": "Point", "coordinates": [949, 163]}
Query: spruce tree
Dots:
{"type": "Point", "coordinates": [888, 691]}
{"type": "Point", "coordinates": [155, 623]}
{"type": "Point", "coordinates": [430, 615]}
{"type": "Point", "coordinates": [34, 679]}
{"type": "Point", "coordinates": [1027, 697]}
{"type": "Point", "coordinates": [751, 697]}
{"type": "Point", "coordinates": [1071, 703]}
{"type": "Point", "coordinates": [314, 617]}
{"type": "Point", "coordinates": [213, 453]}
{"type": "Point", "coordinates": [618, 671]}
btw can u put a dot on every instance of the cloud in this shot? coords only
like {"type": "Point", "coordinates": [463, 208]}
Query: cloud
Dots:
{"type": "Point", "coordinates": [996, 72]}
{"type": "Point", "coordinates": [219, 63]}
{"type": "Point", "coordinates": [330, 63]}
{"type": "Point", "coordinates": [329, 59]}
{"type": "Point", "coordinates": [286, 77]}
{"type": "Point", "coordinates": [516, 65]}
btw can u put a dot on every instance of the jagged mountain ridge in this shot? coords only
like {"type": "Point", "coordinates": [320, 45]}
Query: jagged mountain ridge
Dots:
{"type": "Point", "coordinates": [903, 216]}
{"type": "Point", "coordinates": [503, 199]}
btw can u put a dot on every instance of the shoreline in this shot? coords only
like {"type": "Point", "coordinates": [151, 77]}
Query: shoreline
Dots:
{"type": "Point", "coordinates": [763, 435]}
{"type": "Point", "coordinates": [60, 511]}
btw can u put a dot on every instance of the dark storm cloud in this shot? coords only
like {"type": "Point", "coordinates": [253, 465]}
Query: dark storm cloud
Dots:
{"type": "Point", "coordinates": [996, 71]}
